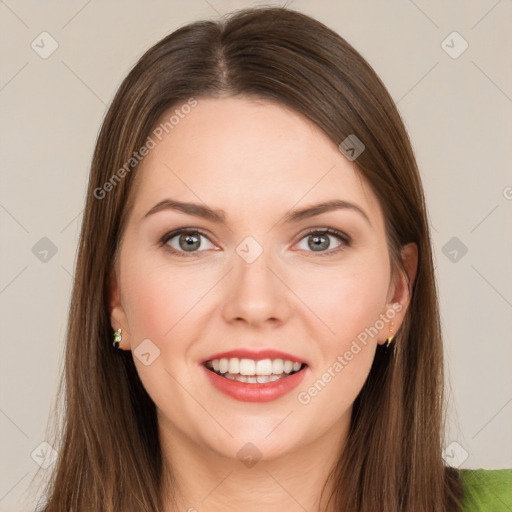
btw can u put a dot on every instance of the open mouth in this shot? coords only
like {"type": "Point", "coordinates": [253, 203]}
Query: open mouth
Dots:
{"type": "Point", "coordinates": [254, 371]}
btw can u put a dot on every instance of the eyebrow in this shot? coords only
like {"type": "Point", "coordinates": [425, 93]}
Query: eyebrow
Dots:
{"type": "Point", "coordinates": [219, 215]}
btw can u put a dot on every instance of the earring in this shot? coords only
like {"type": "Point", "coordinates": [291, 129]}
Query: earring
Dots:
{"type": "Point", "coordinates": [390, 339]}
{"type": "Point", "coordinates": [117, 338]}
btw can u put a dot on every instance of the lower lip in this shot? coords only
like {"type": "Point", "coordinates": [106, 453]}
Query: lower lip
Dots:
{"type": "Point", "coordinates": [246, 392]}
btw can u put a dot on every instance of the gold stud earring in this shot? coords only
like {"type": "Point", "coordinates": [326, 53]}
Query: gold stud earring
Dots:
{"type": "Point", "coordinates": [117, 338]}
{"type": "Point", "coordinates": [390, 339]}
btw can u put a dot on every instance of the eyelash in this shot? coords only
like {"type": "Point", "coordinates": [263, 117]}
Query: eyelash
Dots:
{"type": "Point", "coordinates": [343, 238]}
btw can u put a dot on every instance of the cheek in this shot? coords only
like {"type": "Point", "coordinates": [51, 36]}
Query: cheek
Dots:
{"type": "Point", "coordinates": [348, 298]}
{"type": "Point", "coordinates": [158, 297]}
{"type": "Point", "coordinates": [352, 298]}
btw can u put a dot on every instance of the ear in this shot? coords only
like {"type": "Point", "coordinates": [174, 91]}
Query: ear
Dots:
{"type": "Point", "coordinates": [117, 314]}
{"type": "Point", "coordinates": [399, 296]}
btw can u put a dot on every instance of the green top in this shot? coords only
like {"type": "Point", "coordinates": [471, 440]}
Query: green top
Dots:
{"type": "Point", "coordinates": [487, 490]}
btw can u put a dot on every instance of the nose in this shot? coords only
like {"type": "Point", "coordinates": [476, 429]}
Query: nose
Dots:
{"type": "Point", "coordinates": [256, 293]}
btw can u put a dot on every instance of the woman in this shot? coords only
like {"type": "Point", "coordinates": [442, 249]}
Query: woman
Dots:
{"type": "Point", "coordinates": [255, 240]}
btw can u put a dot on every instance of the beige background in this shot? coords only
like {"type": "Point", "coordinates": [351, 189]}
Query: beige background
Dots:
{"type": "Point", "coordinates": [458, 112]}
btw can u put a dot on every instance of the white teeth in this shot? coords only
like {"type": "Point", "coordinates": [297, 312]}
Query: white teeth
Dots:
{"type": "Point", "coordinates": [264, 367]}
{"type": "Point", "coordinates": [252, 371]}
{"type": "Point", "coordinates": [247, 367]}
{"type": "Point", "coordinates": [234, 365]}
{"type": "Point", "coordinates": [288, 366]}
{"type": "Point", "coordinates": [254, 379]}
{"type": "Point", "coordinates": [277, 366]}
{"type": "Point", "coordinates": [223, 365]}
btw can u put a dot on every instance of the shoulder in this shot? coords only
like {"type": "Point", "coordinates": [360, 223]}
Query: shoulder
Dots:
{"type": "Point", "coordinates": [487, 490]}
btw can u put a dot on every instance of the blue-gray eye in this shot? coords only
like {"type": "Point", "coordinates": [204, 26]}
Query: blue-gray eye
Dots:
{"type": "Point", "coordinates": [320, 240]}
{"type": "Point", "coordinates": [185, 240]}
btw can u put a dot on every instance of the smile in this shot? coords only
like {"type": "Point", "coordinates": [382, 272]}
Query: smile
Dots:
{"type": "Point", "coordinates": [254, 371]}
{"type": "Point", "coordinates": [251, 380]}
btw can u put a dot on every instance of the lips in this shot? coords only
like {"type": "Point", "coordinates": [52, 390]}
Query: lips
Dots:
{"type": "Point", "coordinates": [251, 375]}
{"type": "Point", "coordinates": [255, 392]}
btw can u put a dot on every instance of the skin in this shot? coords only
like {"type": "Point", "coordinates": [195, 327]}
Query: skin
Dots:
{"type": "Point", "coordinates": [256, 160]}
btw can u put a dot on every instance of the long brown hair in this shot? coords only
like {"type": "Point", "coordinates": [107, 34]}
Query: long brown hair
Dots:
{"type": "Point", "coordinates": [109, 453]}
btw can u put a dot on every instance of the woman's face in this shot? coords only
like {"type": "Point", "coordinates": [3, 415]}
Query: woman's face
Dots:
{"type": "Point", "coordinates": [257, 277]}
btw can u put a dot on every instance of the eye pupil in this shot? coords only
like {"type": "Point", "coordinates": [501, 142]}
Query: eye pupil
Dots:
{"type": "Point", "coordinates": [318, 238]}
{"type": "Point", "coordinates": [191, 241]}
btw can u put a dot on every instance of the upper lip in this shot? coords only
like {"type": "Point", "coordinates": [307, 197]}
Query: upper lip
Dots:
{"type": "Point", "coordinates": [246, 353]}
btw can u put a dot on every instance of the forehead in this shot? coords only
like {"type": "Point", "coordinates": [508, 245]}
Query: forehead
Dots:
{"type": "Point", "coordinates": [249, 155]}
